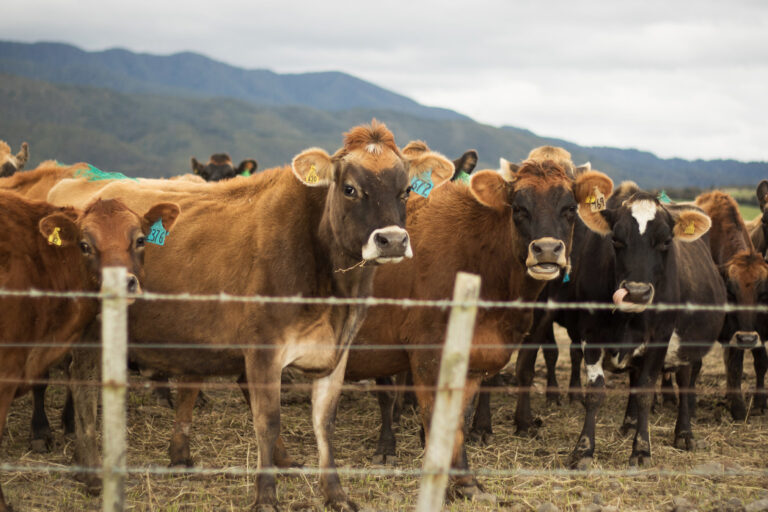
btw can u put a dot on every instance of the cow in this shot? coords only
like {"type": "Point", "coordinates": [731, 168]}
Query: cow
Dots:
{"type": "Point", "coordinates": [220, 167]}
{"type": "Point", "coordinates": [557, 154]}
{"type": "Point", "coordinates": [319, 228]}
{"type": "Point", "coordinates": [515, 234]}
{"type": "Point", "coordinates": [758, 227]}
{"type": "Point", "coordinates": [59, 249]}
{"type": "Point", "coordinates": [10, 164]}
{"type": "Point", "coordinates": [36, 183]}
{"type": "Point", "coordinates": [635, 253]}
{"type": "Point", "coordinates": [745, 273]}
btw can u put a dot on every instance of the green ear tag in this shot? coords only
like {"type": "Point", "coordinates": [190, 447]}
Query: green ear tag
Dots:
{"type": "Point", "coordinates": [54, 238]}
{"type": "Point", "coordinates": [664, 198]}
{"type": "Point", "coordinates": [463, 177]}
{"type": "Point", "coordinates": [422, 184]}
{"type": "Point", "coordinates": [157, 233]}
{"type": "Point", "coordinates": [246, 173]}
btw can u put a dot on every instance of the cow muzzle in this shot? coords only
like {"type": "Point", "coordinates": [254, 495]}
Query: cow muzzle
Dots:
{"type": "Point", "coordinates": [745, 340]}
{"type": "Point", "coordinates": [633, 297]}
{"type": "Point", "coordinates": [388, 245]}
{"type": "Point", "coordinates": [546, 256]}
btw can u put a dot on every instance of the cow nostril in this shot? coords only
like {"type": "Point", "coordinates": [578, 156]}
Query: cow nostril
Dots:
{"type": "Point", "coordinates": [559, 247]}
{"type": "Point", "coordinates": [381, 240]}
{"type": "Point", "coordinates": [133, 284]}
{"type": "Point", "coordinates": [536, 249]}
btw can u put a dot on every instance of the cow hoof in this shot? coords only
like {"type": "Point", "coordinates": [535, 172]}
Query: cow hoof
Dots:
{"type": "Point", "coordinates": [466, 491]}
{"type": "Point", "coordinates": [640, 460]}
{"type": "Point", "coordinates": [384, 459]}
{"type": "Point", "coordinates": [342, 505]}
{"type": "Point", "coordinates": [575, 397]}
{"type": "Point", "coordinates": [264, 507]}
{"type": "Point", "coordinates": [553, 398]}
{"type": "Point", "coordinates": [628, 427]}
{"type": "Point", "coordinates": [92, 483]}
{"type": "Point", "coordinates": [738, 410]}
{"type": "Point", "coordinates": [684, 441]}
{"type": "Point", "coordinates": [580, 462]}
{"type": "Point", "coordinates": [182, 462]}
{"type": "Point", "coordinates": [480, 437]}
{"type": "Point", "coordinates": [40, 445]}
{"type": "Point", "coordinates": [201, 400]}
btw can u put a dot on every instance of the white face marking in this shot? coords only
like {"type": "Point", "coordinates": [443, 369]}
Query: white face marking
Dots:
{"type": "Point", "coordinates": [643, 211]}
{"type": "Point", "coordinates": [596, 370]}
{"type": "Point", "coordinates": [371, 251]}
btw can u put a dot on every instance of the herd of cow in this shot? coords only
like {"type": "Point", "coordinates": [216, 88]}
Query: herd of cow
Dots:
{"type": "Point", "coordinates": [354, 224]}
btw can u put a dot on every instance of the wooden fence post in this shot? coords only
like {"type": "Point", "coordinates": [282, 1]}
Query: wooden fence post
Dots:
{"type": "Point", "coordinates": [450, 389]}
{"type": "Point", "coordinates": [114, 362]}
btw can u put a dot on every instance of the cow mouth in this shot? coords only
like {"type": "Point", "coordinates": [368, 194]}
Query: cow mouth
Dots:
{"type": "Point", "coordinates": [625, 303]}
{"type": "Point", "coordinates": [544, 271]}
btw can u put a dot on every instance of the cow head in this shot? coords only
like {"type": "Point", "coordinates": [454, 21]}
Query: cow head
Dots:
{"type": "Point", "coordinates": [746, 283]}
{"type": "Point", "coordinates": [463, 166]}
{"type": "Point", "coordinates": [108, 234]}
{"type": "Point", "coordinates": [368, 183]}
{"type": "Point", "coordinates": [762, 200]}
{"type": "Point", "coordinates": [543, 202]}
{"type": "Point", "coordinates": [220, 167]}
{"type": "Point", "coordinates": [542, 153]}
{"type": "Point", "coordinates": [644, 233]}
{"type": "Point", "coordinates": [9, 164]}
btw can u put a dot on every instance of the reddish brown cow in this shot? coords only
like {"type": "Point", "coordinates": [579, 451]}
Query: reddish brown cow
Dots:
{"type": "Point", "coordinates": [59, 249]}
{"type": "Point", "coordinates": [9, 163]}
{"type": "Point", "coordinates": [745, 273]}
{"type": "Point", "coordinates": [516, 235]}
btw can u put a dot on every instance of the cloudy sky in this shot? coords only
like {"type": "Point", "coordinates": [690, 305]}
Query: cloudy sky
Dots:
{"type": "Point", "coordinates": [684, 78]}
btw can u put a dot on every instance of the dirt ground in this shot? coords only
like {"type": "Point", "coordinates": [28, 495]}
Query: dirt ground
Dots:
{"type": "Point", "coordinates": [222, 437]}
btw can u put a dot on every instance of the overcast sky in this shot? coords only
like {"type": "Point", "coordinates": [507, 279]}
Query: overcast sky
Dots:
{"type": "Point", "coordinates": [679, 78]}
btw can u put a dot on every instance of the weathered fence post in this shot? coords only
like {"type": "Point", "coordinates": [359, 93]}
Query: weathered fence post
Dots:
{"type": "Point", "coordinates": [114, 361]}
{"type": "Point", "coordinates": [450, 388]}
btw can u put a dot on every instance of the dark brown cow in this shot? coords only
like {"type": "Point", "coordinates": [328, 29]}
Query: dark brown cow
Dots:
{"type": "Point", "coordinates": [9, 163]}
{"type": "Point", "coordinates": [59, 249]}
{"type": "Point", "coordinates": [317, 229]}
{"type": "Point", "coordinates": [219, 167]}
{"type": "Point", "coordinates": [516, 235]}
{"type": "Point", "coordinates": [464, 165]}
{"type": "Point", "coordinates": [745, 273]}
{"type": "Point", "coordinates": [758, 227]}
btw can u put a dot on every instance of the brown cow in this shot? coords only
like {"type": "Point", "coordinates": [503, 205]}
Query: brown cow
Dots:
{"type": "Point", "coordinates": [745, 273]}
{"type": "Point", "coordinates": [316, 229]}
{"type": "Point", "coordinates": [36, 183]}
{"type": "Point", "coordinates": [9, 164]}
{"type": "Point", "coordinates": [59, 249]}
{"type": "Point", "coordinates": [220, 167]}
{"type": "Point", "coordinates": [560, 156]}
{"type": "Point", "coordinates": [516, 235]}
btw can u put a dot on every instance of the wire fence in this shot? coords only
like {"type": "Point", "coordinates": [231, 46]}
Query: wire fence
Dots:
{"type": "Point", "coordinates": [434, 473]}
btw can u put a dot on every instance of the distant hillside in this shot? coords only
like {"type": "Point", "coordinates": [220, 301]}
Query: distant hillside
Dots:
{"type": "Point", "coordinates": [155, 135]}
{"type": "Point", "coordinates": [195, 75]}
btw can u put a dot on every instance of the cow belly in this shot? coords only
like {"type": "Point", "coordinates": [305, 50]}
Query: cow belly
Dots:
{"type": "Point", "coordinates": [190, 361]}
{"type": "Point", "coordinates": [490, 350]}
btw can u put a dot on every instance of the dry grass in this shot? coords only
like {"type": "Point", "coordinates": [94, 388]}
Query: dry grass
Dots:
{"type": "Point", "coordinates": [223, 437]}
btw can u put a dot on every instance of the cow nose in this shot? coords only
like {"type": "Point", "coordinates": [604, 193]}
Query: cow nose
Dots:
{"type": "Point", "coordinates": [547, 248]}
{"type": "Point", "coordinates": [387, 244]}
{"type": "Point", "coordinates": [133, 283]}
{"type": "Point", "coordinates": [747, 339]}
{"type": "Point", "coordinates": [639, 293]}
{"type": "Point", "coordinates": [387, 240]}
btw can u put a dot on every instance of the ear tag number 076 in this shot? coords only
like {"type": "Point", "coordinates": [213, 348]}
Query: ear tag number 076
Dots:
{"type": "Point", "coordinates": [157, 233]}
{"type": "Point", "coordinates": [422, 183]}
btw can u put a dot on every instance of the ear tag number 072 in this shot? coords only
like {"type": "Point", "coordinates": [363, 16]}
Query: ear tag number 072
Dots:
{"type": "Point", "coordinates": [422, 183]}
{"type": "Point", "coordinates": [157, 233]}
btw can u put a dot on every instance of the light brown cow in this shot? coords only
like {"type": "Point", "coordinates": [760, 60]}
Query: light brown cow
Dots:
{"type": "Point", "coordinates": [516, 235]}
{"type": "Point", "coordinates": [316, 229]}
{"type": "Point", "coordinates": [560, 156]}
{"type": "Point", "coordinates": [9, 164]}
{"type": "Point", "coordinates": [36, 184]}
{"type": "Point", "coordinates": [59, 249]}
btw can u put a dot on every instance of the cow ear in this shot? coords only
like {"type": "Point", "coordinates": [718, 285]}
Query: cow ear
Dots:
{"type": "Point", "coordinates": [59, 230]}
{"type": "Point", "coordinates": [762, 194]}
{"type": "Point", "coordinates": [167, 212]}
{"type": "Point", "coordinates": [578, 171]}
{"type": "Point", "coordinates": [22, 156]}
{"type": "Point", "coordinates": [313, 167]}
{"type": "Point", "coordinates": [591, 190]}
{"type": "Point", "coordinates": [439, 169]}
{"type": "Point", "coordinates": [490, 189]}
{"type": "Point", "coordinates": [198, 168]}
{"type": "Point", "coordinates": [466, 162]}
{"type": "Point", "coordinates": [247, 167]}
{"type": "Point", "coordinates": [507, 169]}
{"type": "Point", "coordinates": [690, 225]}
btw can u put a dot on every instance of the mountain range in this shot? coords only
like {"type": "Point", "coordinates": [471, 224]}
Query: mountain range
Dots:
{"type": "Point", "coordinates": [146, 115]}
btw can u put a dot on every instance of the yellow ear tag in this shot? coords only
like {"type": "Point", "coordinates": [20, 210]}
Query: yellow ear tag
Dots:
{"type": "Point", "coordinates": [54, 238]}
{"type": "Point", "coordinates": [690, 228]}
{"type": "Point", "coordinates": [312, 177]}
{"type": "Point", "coordinates": [596, 201]}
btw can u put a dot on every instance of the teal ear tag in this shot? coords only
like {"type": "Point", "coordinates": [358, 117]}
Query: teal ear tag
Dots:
{"type": "Point", "coordinates": [246, 173]}
{"type": "Point", "coordinates": [157, 233]}
{"type": "Point", "coordinates": [422, 183]}
{"type": "Point", "coordinates": [567, 278]}
{"type": "Point", "coordinates": [664, 198]}
{"type": "Point", "coordinates": [462, 177]}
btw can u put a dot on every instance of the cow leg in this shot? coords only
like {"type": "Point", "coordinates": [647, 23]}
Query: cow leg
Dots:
{"type": "Point", "coordinates": [84, 372]}
{"type": "Point", "coordinates": [734, 365]}
{"type": "Point", "coordinates": [651, 366]}
{"type": "Point", "coordinates": [7, 392]}
{"type": "Point", "coordinates": [760, 404]}
{"type": "Point", "coordinates": [42, 438]}
{"type": "Point", "coordinates": [325, 399]}
{"type": "Point", "coordinates": [524, 369]}
{"type": "Point", "coordinates": [630, 415]}
{"type": "Point", "coordinates": [482, 428]}
{"type": "Point", "coordinates": [574, 385]}
{"type": "Point", "coordinates": [581, 457]}
{"type": "Point", "coordinates": [695, 371]}
{"type": "Point", "coordinates": [385, 450]}
{"type": "Point", "coordinates": [683, 431]}
{"type": "Point", "coordinates": [551, 353]}
{"type": "Point", "coordinates": [178, 450]}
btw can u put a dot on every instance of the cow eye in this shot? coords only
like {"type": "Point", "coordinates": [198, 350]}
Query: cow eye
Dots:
{"type": "Point", "coordinates": [85, 248]}
{"type": "Point", "coordinates": [666, 244]}
{"type": "Point", "coordinates": [350, 191]}
{"type": "Point", "coordinates": [140, 242]}
{"type": "Point", "coordinates": [519, 211]}
{"type": "Point", "coordinates": [569, 210]}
